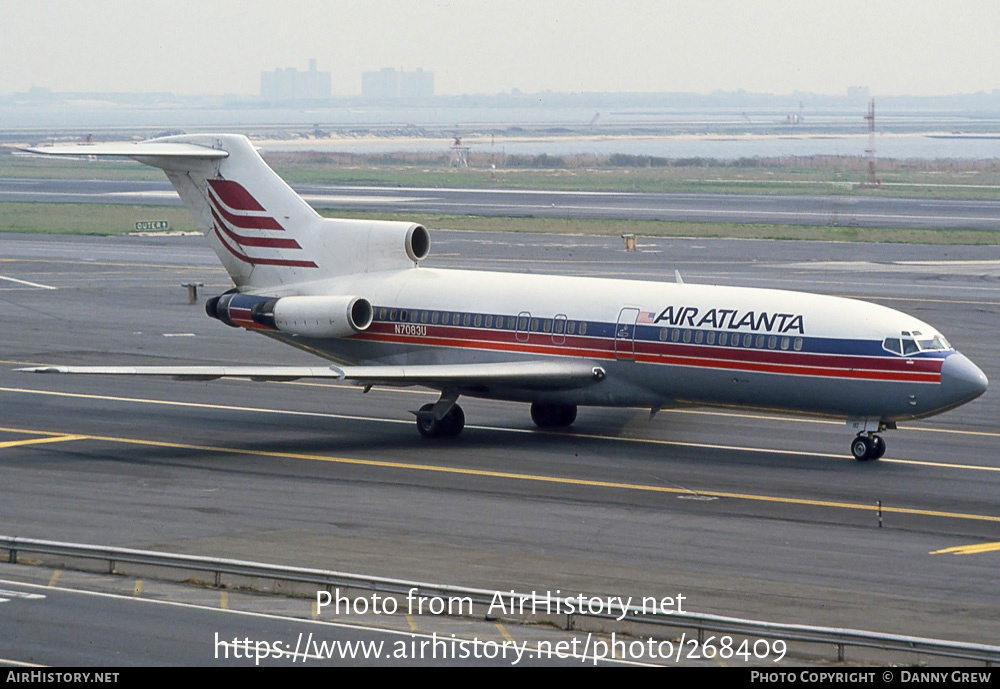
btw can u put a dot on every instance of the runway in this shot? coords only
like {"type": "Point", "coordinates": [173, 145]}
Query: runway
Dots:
{"type": "Point", "coordinates": [822, 210]}
{"type": "Point", "coordinates": [746, 514]}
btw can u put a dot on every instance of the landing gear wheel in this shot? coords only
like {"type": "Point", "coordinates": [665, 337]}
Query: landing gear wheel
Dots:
{"type": "Point", "coordinates": [553, 415]}
{"type": "Point", "coordinates": [449, 426]}
{"type": "Point", "coordinates": [426, 424]}
{"type": "Point", "coordinates": [878, 447]}
{"type": "Point", "coordinates": [453, 422]}
{"type": "Point", "coordinates": [863, 448]}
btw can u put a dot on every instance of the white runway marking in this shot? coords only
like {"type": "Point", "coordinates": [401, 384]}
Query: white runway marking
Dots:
{"type": "Point", "coordinates": [25, 282]}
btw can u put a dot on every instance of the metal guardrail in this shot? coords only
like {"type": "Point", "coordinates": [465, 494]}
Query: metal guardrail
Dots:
{"type": "Point", "coordinates": [485, 600]}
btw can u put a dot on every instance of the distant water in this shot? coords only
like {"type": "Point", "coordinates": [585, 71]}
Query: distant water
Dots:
{"type": "Point", "coordinates": [727, 148]}
{"type": "Point", "coordinates": [661, 132]}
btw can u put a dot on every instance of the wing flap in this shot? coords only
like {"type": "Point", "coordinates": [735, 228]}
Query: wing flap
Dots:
{"type": "Point", "coordinates": [547, 375]}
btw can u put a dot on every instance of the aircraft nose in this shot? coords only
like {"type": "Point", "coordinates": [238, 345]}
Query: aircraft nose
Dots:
{"type": "Point", "coordinates": [962, 379]}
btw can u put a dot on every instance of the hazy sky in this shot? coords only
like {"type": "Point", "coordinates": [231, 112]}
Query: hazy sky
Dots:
{"type": "Point", "coordinates": [918, 47]}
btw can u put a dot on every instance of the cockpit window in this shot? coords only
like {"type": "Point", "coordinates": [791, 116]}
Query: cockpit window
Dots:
{"type": "Point", "coordinates": [936, 342]}
{"type": "Point", "coordinates": [892, 344]}
{"type": "Point", "coordinates": [914, 343]}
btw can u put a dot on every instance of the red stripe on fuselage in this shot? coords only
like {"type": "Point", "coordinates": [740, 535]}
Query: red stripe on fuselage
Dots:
{"type": "Point", "coordinates": [261, 261]}
{"type": "Point", "coordinates": [775, 362]}
{"type": "Point", "coordinates": [244, 240]}
{"type": "Point", "coordinates": [245, 222]}
{"type": "Point", "coordinates": [234, 195]}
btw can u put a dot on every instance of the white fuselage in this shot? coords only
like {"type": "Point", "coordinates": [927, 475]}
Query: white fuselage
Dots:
{"type": "Point", "coordinates": [661, 343]}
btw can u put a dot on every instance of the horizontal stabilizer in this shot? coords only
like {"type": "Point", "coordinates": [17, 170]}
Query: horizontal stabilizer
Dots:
{"type": "Point", "coordinates": [141, 149]}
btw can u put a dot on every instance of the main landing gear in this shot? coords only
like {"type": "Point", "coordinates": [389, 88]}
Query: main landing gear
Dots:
{"type": "Point", "coordinates": [553, 415]}
{"type": "Point", "coordinates": [448, 426]}
{"type": "Point", "coordinates": [866, 447]}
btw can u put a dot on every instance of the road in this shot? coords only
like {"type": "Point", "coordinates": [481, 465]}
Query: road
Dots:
{"type": "Point", "coordinates": [823, 210]}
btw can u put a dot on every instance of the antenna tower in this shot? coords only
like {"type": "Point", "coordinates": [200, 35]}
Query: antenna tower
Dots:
{"type": "Point", "coordinates": [873, 180]}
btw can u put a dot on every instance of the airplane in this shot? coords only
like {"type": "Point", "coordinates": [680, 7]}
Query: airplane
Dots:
{"type": "Point", "coordinates": [354, 293]}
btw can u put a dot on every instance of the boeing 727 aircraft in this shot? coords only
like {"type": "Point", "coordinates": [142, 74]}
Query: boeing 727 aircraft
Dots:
{"type": "Point", "coordinates": [353, 291]}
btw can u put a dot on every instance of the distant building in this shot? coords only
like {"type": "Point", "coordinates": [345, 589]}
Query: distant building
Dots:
{"type": "Point", "coordinates": [390, 84]}
{"type": "Point", "coordinates": [289, 85]}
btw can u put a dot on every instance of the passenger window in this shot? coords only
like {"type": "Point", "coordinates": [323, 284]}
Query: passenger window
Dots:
{"type": "Point", "coordinates": [446, 318]}
{"type": "Point", "coordinates": [571, 327]}
{"type": "Point", "coordinates": [772, 342]}
{"type": "Point", "coordinates": [747, 339]}
{"type": "Point", "coordinates": [478, 321]}
{"type": "Point", "coordinates": [489, 321]}
{"type": "Point", "coordinates": [711, 337]}
{"type": "Point", "coordinates": [583, 328]}
{"type": "Point", "coordinates": [759, 344]}
{"type": "Point", "coordinates": [723, 338]}
{"type": "Point", "coordinates": [435, 316]}
{"type": "Point", "coordinates": [423, 316]}
{"type": "Point", "coordinates": [687, 336]}
{"type": "Point", "coordinates": [798, 344]}
{"type": "Point", "coordinates": [547, 325]}
{"type": "Point", "coordinates": [699, 336]}
{"type": "Point", "coordinates": [675, 335]}
{"type": "Point", "coordinates": [392, 315]}
{"type": "Point", "coordinates": [785, 341]}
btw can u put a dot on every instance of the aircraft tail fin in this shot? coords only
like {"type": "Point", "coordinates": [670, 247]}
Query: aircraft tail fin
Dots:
{"type": "Point", "coordinates": [264, 234]}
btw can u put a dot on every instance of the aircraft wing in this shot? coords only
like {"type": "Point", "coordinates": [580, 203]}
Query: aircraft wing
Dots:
{"type": "Point", "coordinates": [262, 373]}
{"type": "Point", "coordinates": [542, 375]}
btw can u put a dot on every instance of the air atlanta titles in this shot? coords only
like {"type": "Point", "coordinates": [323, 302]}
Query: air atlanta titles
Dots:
{"type": "Point", "coordinates": [731, 319]}
{"type": "Point", "coordinates": [556, 603]}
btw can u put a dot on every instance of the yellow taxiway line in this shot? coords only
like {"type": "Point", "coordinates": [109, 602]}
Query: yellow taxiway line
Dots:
{"type": "Point", "coordinates": [59, 438]}
{"type": "Point", "coordinates": [516, 476]}
{"type": "Point", "coordinates": [968, 549]}
{"type": "Point", "coordinates": [574, 435]}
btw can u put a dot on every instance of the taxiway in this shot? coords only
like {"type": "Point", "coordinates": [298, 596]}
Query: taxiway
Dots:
{"type": "Point", "coordinates": [747, 514]}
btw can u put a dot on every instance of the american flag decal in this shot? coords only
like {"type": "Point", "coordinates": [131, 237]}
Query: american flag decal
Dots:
{"type": "Point", "coordinates": [646, 317]}
{"type": "Point", "coordinates": [234, 212]}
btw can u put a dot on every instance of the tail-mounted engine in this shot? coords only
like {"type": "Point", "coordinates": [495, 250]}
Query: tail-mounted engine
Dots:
{"type": "Point", "coordinates": [333, 316]}
{"type": "Point", "coordinates": [367, 246]}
